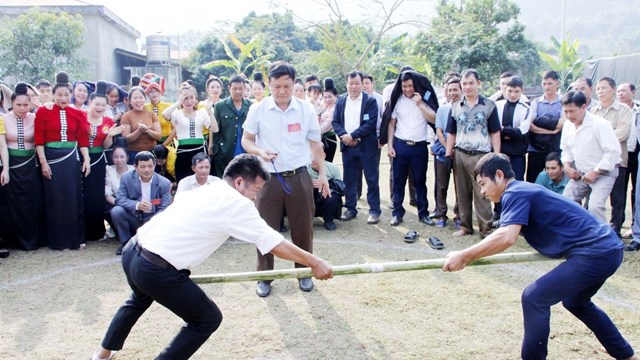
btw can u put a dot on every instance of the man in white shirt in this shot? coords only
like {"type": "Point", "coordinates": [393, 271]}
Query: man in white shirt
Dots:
{"type": "Point", "coordinates": [284, 132]}
{"type": "Point", "coordinates": [158, 261]}
{"type": "Point", "coordinates": [201, 166]}
{"type": "Point", "coordinates": [409, 135]}
{"type": "Point", "coordinates": [590, 152]}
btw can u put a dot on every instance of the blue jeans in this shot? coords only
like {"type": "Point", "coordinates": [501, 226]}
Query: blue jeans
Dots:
{"type": "Point", "coordinates": [355, 161]}
{"type": "Point", "coordinates": [415, 158]}
{"type": "Point", "coordinates": [574, 282]}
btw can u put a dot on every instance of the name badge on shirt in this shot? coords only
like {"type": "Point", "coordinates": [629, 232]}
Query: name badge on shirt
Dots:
{"type": "Point", "coordinates": [156, 201]}
{"type": "Point", "coordinates": [294, 127]}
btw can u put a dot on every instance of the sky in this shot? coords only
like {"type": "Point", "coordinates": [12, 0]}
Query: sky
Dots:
{"type": "Point", "coordinates": [203, 16]}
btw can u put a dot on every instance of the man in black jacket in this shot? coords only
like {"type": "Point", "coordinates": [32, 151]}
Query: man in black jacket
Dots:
{"type": "Point", "coordinates": [354, 121]}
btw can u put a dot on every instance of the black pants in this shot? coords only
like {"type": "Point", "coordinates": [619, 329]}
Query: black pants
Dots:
{"type": "Point", "coordinates": [329, 208]}
{"type": "Point", "coordinates": [618, 200]}
{"type": "Point", "coordinates": [172, 289]}
{"type": "Point", "coordinates": [632, 171]}
{"type": "Point", "coordinates": [535, 164]}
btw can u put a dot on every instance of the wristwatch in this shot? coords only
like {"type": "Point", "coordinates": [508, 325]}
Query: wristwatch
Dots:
{"type": "Point", "coordinates": [601, 172]}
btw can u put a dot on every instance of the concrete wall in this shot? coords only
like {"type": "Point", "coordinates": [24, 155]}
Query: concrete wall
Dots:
{"type": "Point", "coordinates": [100, 39]}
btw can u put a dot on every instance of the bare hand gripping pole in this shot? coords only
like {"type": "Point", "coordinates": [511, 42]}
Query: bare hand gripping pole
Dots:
{"type": "Point", "coordinates": [506, 258]}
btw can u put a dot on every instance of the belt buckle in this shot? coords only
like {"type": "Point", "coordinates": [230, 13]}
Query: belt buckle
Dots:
{"type": "Point", "coordinates": [287, 173]}
{"type": "Point", "coordinates": [410, 143]}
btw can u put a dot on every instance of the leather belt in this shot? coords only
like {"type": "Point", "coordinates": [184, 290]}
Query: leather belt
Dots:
{"type": "Point", "coordinates": [290, 173]}
{"type": "Point", "coordinates": [155, 259]}
{"type": "Point", "coordinates": [471, 152]}
{"type": "Point", "coordinates": [411, 142]}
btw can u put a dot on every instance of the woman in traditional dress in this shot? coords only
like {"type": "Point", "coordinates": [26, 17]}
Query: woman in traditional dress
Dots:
{"type": "Point", "coordinates": [59, 132]}
{"type": "Point", "coordinates": [154, 86]}
{"type": "Point", "coordinates": [80, 95]}
{"type": "Point", "coordinates": [141, 127]}
{"type": "Point", "coordinates": [189, 123]}
{"type": "Point", "coordinates": [102, 129]}
{"type": "Point", "coordinates": [257, 87]}
{"type": "Point", "coordinates": [24, 191]}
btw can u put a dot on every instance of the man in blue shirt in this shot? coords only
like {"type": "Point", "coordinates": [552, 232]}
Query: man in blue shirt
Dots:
{"type": "Point", "coordinates": [548, 222]}
{"type": "Point", "coordinates": [553, 176]}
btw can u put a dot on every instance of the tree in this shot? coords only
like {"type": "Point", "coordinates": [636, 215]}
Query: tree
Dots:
{"type": "Point", "coordinates": [250, 58]}
{"type": "Point", "coordinates": [37, 44]}
{"type": "Point", "coordinates": [363, 46]}
{"type": "Point", "coordinates": [470, 36]}
{"type": "Point", "coordinates": [564, 59]}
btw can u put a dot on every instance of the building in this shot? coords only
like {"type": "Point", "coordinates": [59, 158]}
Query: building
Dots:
{"type": "Point", "coordinates": [110, 43]}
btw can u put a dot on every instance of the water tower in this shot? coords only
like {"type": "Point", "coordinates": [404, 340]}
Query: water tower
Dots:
{"type": "Point", "coordinates": [158, 49]}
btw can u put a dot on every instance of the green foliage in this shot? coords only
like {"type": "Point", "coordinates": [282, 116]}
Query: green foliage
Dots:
{"type": "Point", "coordinates": [485, 35]}
{"type": "Point", "coordinates": [251, 56]}
{"type": "Point", "coordinates": [564, 60]}
{"type": "Point", "coordinates": [37, 44]}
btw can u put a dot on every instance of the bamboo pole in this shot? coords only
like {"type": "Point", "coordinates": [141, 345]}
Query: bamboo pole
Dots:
{"type": "Point", "coordinates": [506, 258]}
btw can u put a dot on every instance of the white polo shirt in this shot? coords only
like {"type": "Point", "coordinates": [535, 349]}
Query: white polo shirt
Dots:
{"type": "Point", "coordinates": [592, 145]}
{"type": "Point", "coordinates": [199, 221]}
{"type": "Point", "coordinates": [286, 132]}
{"type": "Point", "coordinates": [190, 182]}
{"type": "Point", "coordinates": [411, 124]}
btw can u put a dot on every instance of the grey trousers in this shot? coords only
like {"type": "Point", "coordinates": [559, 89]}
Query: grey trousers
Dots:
{"type": "Point", "coordinates": [598, 193]}
{"type": "Point", "coordinates": [468, 193]}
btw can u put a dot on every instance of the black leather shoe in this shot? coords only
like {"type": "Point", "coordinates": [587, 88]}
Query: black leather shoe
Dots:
{"type": "Point", "coordinates": [633, 246]}
{"type": "Point", "coordinates": [119, 250]}
{"type": "Point", "coordinates": [348, 215]}
{"type": "Point", "coordinates": [329, 225]}
{"type": "Point", "coordinates": [427, 221]}
{"type": "Point", "coordinates": [395, 221]}
{"type": "Point", "coordinates": [305, 284]}
{"type": "Point", "coordinates": [263, 289]}
{"type": "Point", "coordinates": [373, 219]}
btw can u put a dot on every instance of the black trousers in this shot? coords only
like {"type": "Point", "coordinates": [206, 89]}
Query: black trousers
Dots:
{"type": "Point", "coordinates": [618, 200]}
{"type": "Point", "coordinates": [535, 164]}
{"type": "Point", "coordinates": [632, 172]}
{"type": "Point", "coordinates": [172, 289]}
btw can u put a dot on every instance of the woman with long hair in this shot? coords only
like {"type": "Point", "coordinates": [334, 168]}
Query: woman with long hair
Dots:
{"type": "Point", "coordinates": [59, 132]}
{"type": "Point", "coordinates": [325, 116]}
{"type": "Point", "coordinates": [189, 122]}
{"type": "Point", "coordinates": [140, 127]}
{"type": "Point", "coordinates": [102, 129]}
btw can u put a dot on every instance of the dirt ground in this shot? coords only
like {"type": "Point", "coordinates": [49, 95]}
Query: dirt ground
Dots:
{"type": "Point", "coordinates": [57, 305]}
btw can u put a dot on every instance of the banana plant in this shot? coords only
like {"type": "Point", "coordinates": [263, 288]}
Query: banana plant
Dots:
{"type": "Point", "coordinates": [565, 61]}
{"type": "Point", "coordinates": [250, 57]}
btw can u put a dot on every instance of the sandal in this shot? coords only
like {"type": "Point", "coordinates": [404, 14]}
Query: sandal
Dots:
{"type": "Point", "coordinates": [435, 243]}
{"type": "Point", "coordinates": [411, 236]}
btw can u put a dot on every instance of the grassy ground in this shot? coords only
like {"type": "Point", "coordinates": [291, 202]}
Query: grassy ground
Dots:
{"type": "Point", "coordinates": [57, 305]}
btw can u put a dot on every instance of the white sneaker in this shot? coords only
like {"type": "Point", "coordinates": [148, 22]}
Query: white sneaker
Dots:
{"type": "Point", "coordinates": [96, 357]}
{"type": "Point", "coordinates": [110, 234]}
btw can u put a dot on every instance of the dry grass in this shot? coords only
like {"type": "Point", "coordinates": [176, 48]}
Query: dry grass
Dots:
{"type": "Point", "coordinates": [57, 305]}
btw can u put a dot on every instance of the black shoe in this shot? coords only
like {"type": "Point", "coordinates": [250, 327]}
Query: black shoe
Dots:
{"type": "Point", "coordinates": [633, 246]}
{"type": "Point", "coordinates": [348, 215]}
{"type": "Point", "coordinates": [427, 221]}
{"type": "Point", "coordinates": [305, 284]}
{"type": "Point", "coordinates": [263, 289]}
{"type": "Point", "coordinates": [4, 253]}
{"type": "Point", "coordinates": [329, 225]}
{"type": "Point", "coordinates": [119, 250]}
{"type": "Point", "coordinates": [373, 219]}
{"type": "Point", "coordinates": [413, 203]}
{"type": "Point", "coordinates": [396, 220]}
